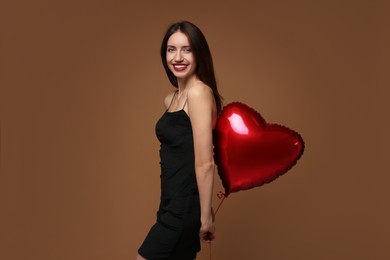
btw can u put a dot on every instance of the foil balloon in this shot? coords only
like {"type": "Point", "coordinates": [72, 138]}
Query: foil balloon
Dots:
{"type": "Point", "coordinates": [250, 152]}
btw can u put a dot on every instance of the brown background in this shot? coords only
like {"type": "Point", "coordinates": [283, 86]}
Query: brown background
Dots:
{"type": "Point", "coordinates": [82, 87]}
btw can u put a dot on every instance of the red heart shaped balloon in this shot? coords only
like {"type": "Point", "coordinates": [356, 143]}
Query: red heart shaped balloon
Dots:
{"type": "Point", "coordinates": [250, 152]}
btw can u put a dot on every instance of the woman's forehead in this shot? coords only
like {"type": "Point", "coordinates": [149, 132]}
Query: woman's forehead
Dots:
{"type": "Point", "coordinates": [178, 39]}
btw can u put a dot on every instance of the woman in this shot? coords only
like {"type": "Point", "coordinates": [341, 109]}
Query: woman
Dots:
{"type": "Point", "coordinates": [185, 131]}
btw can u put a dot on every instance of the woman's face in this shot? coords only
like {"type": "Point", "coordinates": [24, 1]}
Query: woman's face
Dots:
{"type": "Point", "coordinates": [180, 58]}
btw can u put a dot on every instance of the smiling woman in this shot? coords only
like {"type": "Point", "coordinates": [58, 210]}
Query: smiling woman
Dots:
{"type": "Point", "coordinates": [185, 130]}
{"type": "Point", "coordinates": [179, 56]}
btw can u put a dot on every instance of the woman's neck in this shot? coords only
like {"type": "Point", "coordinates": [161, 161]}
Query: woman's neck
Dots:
{"type": "Point", "coordinates": [183, 84]}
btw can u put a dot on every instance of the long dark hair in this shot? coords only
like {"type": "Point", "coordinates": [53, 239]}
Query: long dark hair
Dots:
{"type": "Point", "coordinates": [202, 54]}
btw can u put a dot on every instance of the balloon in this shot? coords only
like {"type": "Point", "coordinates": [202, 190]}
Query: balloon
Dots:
{"type": "Point", "coordinates": [250, 152]}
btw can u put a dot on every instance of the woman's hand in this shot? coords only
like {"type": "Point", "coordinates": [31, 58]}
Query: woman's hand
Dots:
{"type": "Point", "coordinates": [207, 228]}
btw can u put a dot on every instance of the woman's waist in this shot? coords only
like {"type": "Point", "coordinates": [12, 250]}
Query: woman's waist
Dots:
{"type": "Point", "coordinates": [169, 194]}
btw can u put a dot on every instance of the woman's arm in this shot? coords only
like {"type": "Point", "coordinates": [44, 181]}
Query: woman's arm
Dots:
{"type": "Point", "coordinates": [202, 112]}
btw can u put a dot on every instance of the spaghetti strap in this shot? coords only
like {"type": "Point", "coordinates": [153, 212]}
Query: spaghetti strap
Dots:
{"type": "Point", "coordinates": [185, 103]}
{"type": "Point", "coordinates": [172, 100]}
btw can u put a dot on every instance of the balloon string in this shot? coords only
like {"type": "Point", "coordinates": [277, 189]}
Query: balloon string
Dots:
{"type": "Point", "coordinates": [222, 197]}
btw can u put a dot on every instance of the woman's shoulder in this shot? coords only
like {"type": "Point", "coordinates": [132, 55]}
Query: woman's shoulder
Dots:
{"type": "Point", "coordinates": [198, 90]}
{"type": "Point", "coordinates": [201, 95]}
{"type": "Point", "coordinates": [200, 100]}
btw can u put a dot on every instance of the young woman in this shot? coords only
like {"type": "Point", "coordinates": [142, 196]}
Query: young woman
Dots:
{"type": "Point", "coordinates": [185, 131]}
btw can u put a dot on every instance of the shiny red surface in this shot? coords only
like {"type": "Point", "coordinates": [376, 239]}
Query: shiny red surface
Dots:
{"type": "Point", "coordinates": [250, 152]}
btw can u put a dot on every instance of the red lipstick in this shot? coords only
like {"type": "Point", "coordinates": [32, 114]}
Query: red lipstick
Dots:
{"type": "Point", "coordinates": [179, 67]}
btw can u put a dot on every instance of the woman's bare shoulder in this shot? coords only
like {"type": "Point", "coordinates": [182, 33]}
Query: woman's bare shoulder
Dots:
{"type": "Point", "coordinates": [200, 90]}
{"type": "Point", "coordinates": [201, 98]}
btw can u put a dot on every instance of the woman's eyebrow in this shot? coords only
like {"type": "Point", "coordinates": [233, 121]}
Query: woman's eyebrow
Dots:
{"type": "Point", "coordinates": [184, 46]}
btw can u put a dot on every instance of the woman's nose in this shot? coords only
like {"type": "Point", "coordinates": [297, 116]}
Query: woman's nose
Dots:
{"type": "Point", "coordinates": [178, 56]}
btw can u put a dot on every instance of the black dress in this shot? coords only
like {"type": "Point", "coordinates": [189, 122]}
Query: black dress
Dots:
{"type": "Point", "coordinates": [176, 232]}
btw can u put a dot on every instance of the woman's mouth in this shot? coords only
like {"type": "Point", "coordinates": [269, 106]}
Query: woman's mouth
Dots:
{"type": "Point", "coordinates": [179, 67]}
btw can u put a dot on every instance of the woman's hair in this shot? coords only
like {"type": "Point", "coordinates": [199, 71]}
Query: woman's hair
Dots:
{"type": "Point", "coordinates": [202, 55]}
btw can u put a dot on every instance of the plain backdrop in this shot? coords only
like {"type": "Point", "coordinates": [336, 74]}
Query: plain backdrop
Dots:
{"type": "Point", "coordinates": [82, 86]}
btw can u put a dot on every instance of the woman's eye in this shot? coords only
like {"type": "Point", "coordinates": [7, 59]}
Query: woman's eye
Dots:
{"type": "Point", "coordinates": [170, 50]}
{"type": "Point", "coordinates": [187, 50]}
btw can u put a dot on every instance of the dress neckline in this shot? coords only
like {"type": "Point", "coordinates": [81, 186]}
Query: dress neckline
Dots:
{"type": "Point", "coordinates": [185, 113]}
{"type": "Point", "coordinates": [177, 111]}
{"type": "Point", "coordinates": [172, 112]}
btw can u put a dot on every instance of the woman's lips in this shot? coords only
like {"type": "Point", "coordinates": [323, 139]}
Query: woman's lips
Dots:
{"type": "Point", "coordinates": [179, 67]}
